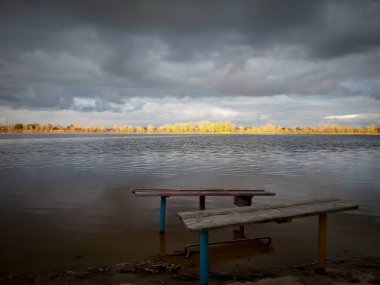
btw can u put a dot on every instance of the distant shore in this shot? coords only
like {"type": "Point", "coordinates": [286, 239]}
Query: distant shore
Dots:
{"type": "Point", "coordinates": [203, 127]}
{"type": "Point", "coordinates": [178, 133]}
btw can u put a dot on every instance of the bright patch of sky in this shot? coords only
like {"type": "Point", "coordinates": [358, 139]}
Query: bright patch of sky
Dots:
{"type": "Point", "coordinates": [282, 110]}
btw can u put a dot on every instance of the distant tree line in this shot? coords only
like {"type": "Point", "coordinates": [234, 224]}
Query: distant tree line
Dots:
{"type": "Point", "coordinates": [191, 127]}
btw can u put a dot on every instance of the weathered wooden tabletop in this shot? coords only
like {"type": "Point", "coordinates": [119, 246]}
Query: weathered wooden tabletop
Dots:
{"type": "Point", "coordinates": [230, 217]}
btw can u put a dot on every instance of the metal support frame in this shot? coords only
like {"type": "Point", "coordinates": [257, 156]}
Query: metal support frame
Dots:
{"type": "Point", "coordinates": [238, 200]}
{"type": "Point", "coordinates": [162, 214]}
{"type": "Point", "coordinates": [202, 206]}
{"type": "Point", "coordinates": [203, 246]}
{"type": "Point", "coordinates": [187, 247]}
{"type": "Point", "coordinates": [162, 245]}
{"type": "Point", "coordinates": [203, 258]}
{"type": "Point", "coordinates": [322, 233]}
{"type": "Point", "coordinates": [242, 201]}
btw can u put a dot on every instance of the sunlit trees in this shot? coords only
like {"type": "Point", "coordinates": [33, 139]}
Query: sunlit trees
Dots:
{"type": "Point", "coordinates": [150, 128]}
{"type": "Point", "coordinates": [214, 127]}
{"type": "Point", "coordinates": [140, 130]}
{"type": "Point", "coordinates": [371, 129]}
{"type": "Point", "coordinates": [22, 127]}
{"type": "Point", "coordinates": [89, 129]}
{"type": "Point", "coordinates": [19, 127]}
{"type": "Point", "coordinates": [204, 127]}
{"type": "Point", "coordinates": [166, 128]}
{"type": "Point", "coordinates": [58, 128]}
{"type": "Point", "coordinates": [47, 127]}
{"type": "Point", "coordinates": [102, 128]}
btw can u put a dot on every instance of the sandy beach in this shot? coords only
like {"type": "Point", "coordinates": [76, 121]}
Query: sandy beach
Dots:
{"type": "Point", "coordinates": [354, 270]}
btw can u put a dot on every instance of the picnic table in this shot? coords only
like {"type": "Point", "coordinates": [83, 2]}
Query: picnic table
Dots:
{"type": "Point", "coordinates": [242, 197]}
{"type": "Point", "coordinates": [204, 221]}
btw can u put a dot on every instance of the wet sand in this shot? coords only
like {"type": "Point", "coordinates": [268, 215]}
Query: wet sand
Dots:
{"type": "Point", "coordinates": [293, 248]}
{"type": "Point", "coordinates": [340, 271]}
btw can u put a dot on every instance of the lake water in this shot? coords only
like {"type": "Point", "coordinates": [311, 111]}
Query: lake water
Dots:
{"type": "Point", "coordinates": [65, 199]}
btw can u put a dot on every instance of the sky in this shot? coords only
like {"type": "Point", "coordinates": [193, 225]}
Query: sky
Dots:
{"type": "Point", "coordinates": [287, 63]}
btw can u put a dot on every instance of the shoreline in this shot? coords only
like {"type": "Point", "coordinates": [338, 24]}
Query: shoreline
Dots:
{"type": "Point", "coordinates": [157, 270]}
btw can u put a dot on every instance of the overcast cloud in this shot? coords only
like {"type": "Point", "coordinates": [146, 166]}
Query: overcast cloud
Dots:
{"type": "Point", "coordinates": [251, 62]}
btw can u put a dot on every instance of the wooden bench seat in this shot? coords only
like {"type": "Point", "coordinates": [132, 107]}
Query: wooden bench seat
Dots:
{"type": "Point", "coordinates": [203, 221]}
{"type": "Point", "coordinates": [242, 197]}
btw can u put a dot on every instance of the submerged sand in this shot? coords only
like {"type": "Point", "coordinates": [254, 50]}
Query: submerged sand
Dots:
{"type": "Point", "coordinates": [352, 241]}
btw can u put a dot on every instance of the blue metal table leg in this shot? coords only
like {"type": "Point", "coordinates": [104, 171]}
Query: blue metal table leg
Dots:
{"type": "Point", "coordinates": [203, 257]}
{"type": "Point", "coordinates": [162, 214]}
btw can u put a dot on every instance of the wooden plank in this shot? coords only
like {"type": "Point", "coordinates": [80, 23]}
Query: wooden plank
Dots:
{"type": "Point", "coordinates": [201, 192]}
{"type": "Point", "coordinates": [322, 233]}
{"type": "Point", "coordinates": [254, 215]}
{"type": "Point", "coordinates": [195, 189]}
{"type": "Point", "coordinates": [226, 211]}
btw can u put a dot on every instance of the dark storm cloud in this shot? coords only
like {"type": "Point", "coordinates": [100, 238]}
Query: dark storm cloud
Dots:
{"type": "Point", "coordinates": [53, 52]}
{"type": "Point", "coordinates": [326, 28]}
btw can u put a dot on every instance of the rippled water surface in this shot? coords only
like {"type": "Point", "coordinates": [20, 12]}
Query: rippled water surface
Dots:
{"type": "Point", "coordinates": [70, 193]}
